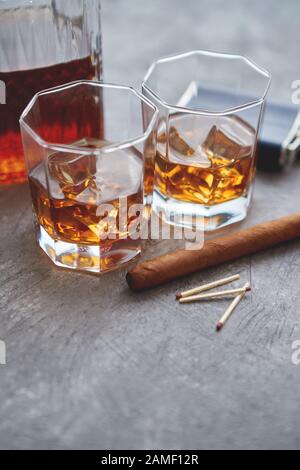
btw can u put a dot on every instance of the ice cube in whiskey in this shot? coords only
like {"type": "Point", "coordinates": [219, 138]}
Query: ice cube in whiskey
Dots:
{"type": "Point", "coordinates": [200, 167]}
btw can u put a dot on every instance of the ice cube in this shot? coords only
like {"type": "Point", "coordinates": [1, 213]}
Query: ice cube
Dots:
{"type": "Point", "coordinates": [38, 175]}
{"type": "Point", "coordinates": [224, 142]}
{"type": "Point", "coordinates": [118, 174]}
{"type": "Point", "coordinates": [180, 152]}
{"type": "Point", "coordinates": [71, 171]}
{"type": "Point", "coordinates": [176, 142]}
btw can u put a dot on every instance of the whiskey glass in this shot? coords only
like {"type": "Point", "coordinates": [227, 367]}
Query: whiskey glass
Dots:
{"type": "Point", "coordinates": [43, 44]}
{"type": "Point", "coordinates": [210, 110]}
{"type": "Point", "coordinates": [90, 151]}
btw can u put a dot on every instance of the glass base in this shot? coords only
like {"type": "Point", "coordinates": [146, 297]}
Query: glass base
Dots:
{"type": "Point", "coordinates": [198, 216]}
{"type": "Point", "coordinates": [93, 259]}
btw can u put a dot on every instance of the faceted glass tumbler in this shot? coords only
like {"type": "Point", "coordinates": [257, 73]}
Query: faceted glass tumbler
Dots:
{"type": "Point", "coordinates": [90, 152]}
{"type": "Point", "coordinates": [210, 107]}
{"type": "Point", "coordinates": [43, 43]}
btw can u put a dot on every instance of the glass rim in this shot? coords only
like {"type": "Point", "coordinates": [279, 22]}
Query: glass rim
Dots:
{"type": "Point", "coordinates": [122, 144]}
{"type": "Point", "coordinates": [199, 111]}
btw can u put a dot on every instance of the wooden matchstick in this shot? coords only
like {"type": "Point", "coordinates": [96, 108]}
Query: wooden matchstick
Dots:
{"type": "Point", "coordinates": [207, 287]}
{"type": "Point", "coordinates": [215, 295]}
{"type": "Point", "coordinates": [231, 309]}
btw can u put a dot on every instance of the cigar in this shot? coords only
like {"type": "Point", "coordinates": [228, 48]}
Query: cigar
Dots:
{"type": "Point", "coordinates": [180, 263]}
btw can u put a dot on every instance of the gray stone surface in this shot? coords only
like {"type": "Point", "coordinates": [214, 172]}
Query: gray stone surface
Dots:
{"type": "Point", "coordinates": [92, 365]}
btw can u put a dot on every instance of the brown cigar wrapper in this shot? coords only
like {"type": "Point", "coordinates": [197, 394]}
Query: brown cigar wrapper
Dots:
{"type": "Point", "coordinates": [180, 263]}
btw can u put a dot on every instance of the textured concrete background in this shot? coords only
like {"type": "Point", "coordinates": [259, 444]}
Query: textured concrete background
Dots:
{"type": "Point", "coordinates": [136, 32]}
{"type": "Point", "coordinates": [91, 365]}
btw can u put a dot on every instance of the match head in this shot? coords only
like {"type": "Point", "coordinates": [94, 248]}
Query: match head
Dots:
{"type": "Point", "coordinates": [219, 327]}
{"type": "Point", "coordinates": [248, 287]}
{"type": "Point", "coordinates": [178, 296]}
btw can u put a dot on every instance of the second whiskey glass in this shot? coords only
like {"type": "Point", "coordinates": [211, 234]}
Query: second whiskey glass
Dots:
{"type": "Point", "coordinates": [90, 149]}
{"type": "Point", "coordinates": [210, 108]}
